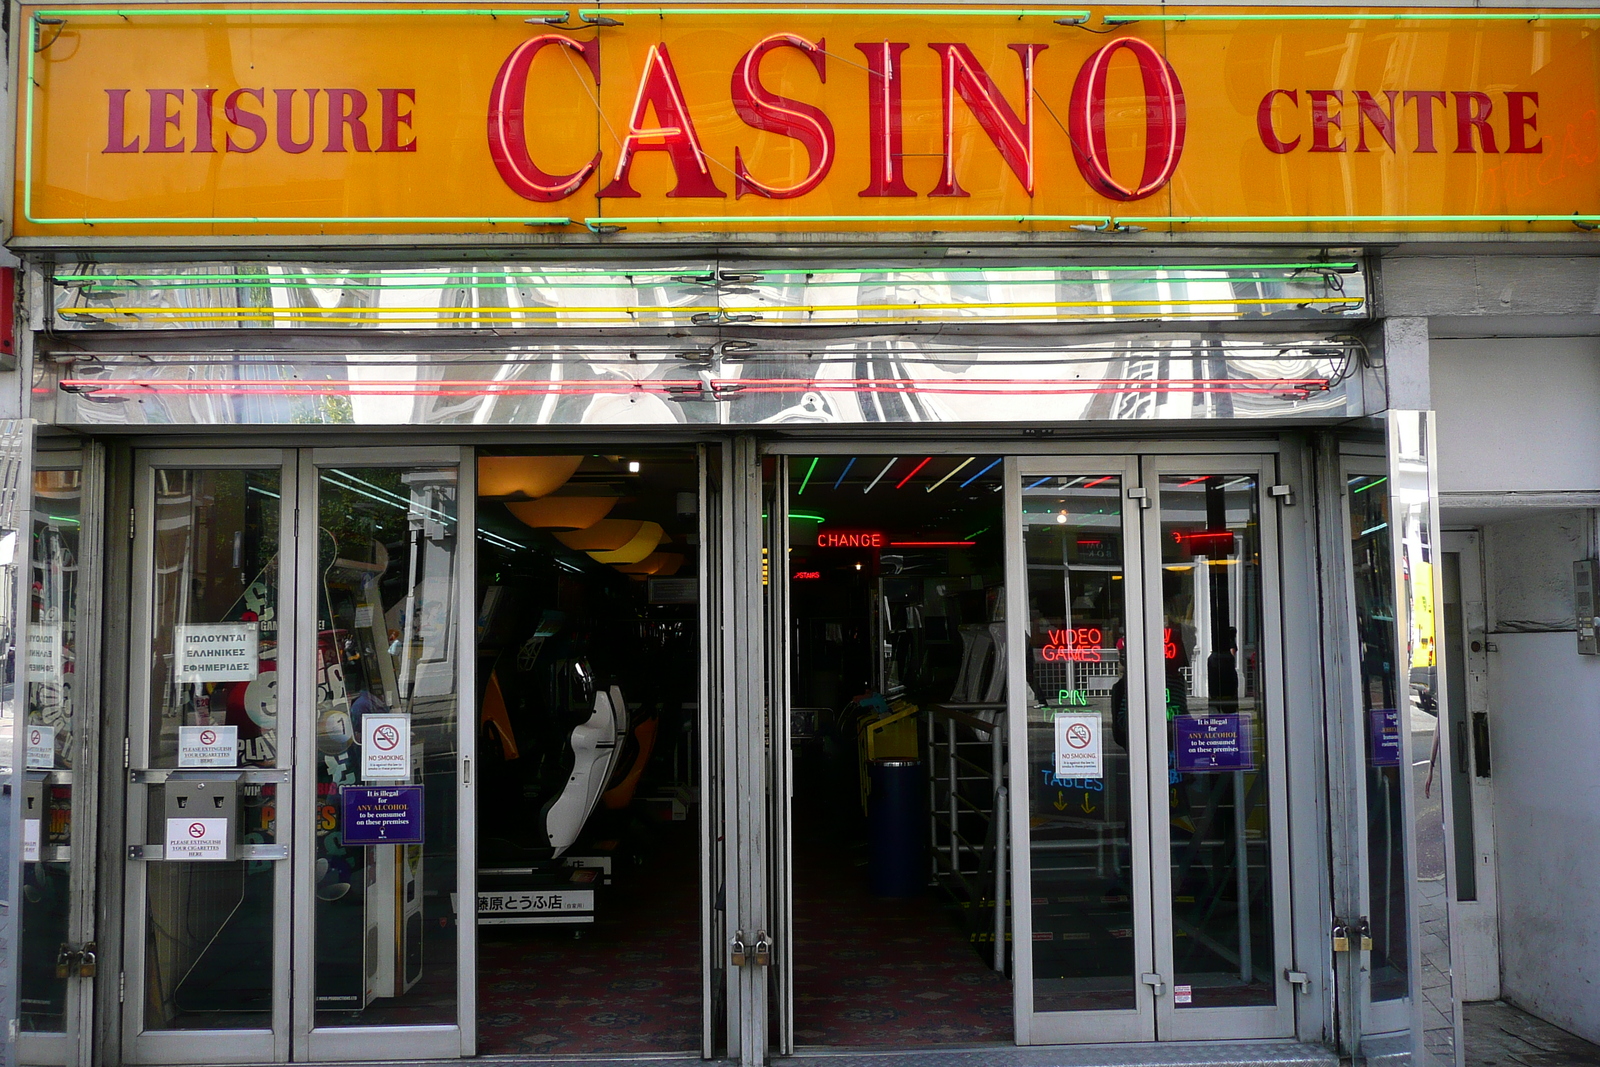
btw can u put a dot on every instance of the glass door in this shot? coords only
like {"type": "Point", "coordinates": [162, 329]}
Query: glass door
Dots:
{"type": "Point", "coordinates": [59, 958]}
{"type": "Point", "coordinates": [210, 771]}
{"type": "Point", "coordinates": [1147, 722]}
{"type": "Point", "coordinates": [299, 851]}
{"type": "Point", "coordinates": [384, 838]}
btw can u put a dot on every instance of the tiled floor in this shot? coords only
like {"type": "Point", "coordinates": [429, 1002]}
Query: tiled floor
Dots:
{"type": "Point", "coordinates": [1499, 1035]}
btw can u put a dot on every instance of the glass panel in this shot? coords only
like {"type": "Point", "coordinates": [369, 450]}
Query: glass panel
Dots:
{"type": "Point", "coordinates": [1414, 501]}
{"type": "Point", "coordinates": [1373, 569]}
{"type": "Point", "coordinates": [1080, 835]}
{"type": "Point", "coordinates": [213, 674]}
{"type": "Point", "coordinates": [1218, 796]}
{"type": "Point", "coordinates": [52, 704]}
{"type": "Point", "coordinates": [1455, 673]}
{"type": "Point", "coordinates": [386, 726]}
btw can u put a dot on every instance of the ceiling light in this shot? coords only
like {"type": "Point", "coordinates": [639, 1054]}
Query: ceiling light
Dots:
{"type": "Point", "coordinates": [633, 466]}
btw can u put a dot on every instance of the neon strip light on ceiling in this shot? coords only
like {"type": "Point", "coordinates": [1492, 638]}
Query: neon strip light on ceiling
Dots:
{"type": "Point", "coordinates": [914, 471]}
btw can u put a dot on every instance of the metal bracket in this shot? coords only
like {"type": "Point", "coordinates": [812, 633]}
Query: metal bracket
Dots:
{"type": "Point", "coordinates": [1299, 979]}
{"type": "Point", "coordinates": [1141, 495]}
{"type": "Point", "coordinates": [1157, 984]}
{"type": "Point", "coordinates": [1283, 494]}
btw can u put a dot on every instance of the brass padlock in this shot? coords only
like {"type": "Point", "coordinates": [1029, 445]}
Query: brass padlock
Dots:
{"type": "Point", "coordinates": [736, 950]}
{"type": "Point", "coordinates": [63, 960]}
{"type": "Point", "coordinates": [87, 961]}
{"type": "Point", "coordinates": [1341, 938]}
{"type": "Point", "coordinates": [1364, 929]}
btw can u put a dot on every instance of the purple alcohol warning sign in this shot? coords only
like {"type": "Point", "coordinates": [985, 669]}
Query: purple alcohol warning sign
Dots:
{"type": "Point", "coordinates": [1383, 737]}
{"type": "Point", "coordinates": [1206, 743]}
{"type": "Point", "coordinates": [382, 814]}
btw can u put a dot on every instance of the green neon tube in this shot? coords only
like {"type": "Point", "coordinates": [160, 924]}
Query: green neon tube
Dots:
{"type": "Point", "coordinates": [662, 12]}
{"type": "Point", "coordinates": [129, 12]}
{"type": "Point", "coordinates": [809, 472]}
{"type": "Point", "coordinates": [642, 220]}
{"type": "Point", "coordinates": [1358, 16]}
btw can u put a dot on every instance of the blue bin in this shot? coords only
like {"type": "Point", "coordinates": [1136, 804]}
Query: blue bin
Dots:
{"type": "Point", "coordinates": [897, 830]}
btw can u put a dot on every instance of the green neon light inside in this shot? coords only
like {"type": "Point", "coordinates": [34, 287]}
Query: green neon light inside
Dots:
{"type": "Point", "coordinates": [806, 516]}
{"type": "Point", "coordinates": [1369, 485]}
{"type": "Point", "coordinates": [809, 472]}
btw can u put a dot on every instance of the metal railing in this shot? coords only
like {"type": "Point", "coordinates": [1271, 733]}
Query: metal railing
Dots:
{"type": "Point", "coordinates": [967, 798]}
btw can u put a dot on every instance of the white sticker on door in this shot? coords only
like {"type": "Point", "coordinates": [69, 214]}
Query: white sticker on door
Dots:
{"type": "Point", "coordinates": [208, 746]}
{"type": "Point", "coordinates": [1182, 994]}
{"type": "Point", "coordinates": [197, 839]}
{"type": "Point", "coordinates": [1078, 746]}
{"type": "Point", "coordinates": [41, 748]}
{"type": "Point", "coordinates": [214, 652]}
{"type": "Point", "coordinates": [30, 840]}
{"type": "Point", "coordinates": [385, 747]}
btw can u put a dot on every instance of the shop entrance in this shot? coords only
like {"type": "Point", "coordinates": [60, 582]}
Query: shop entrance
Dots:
{"type": "Point", "coordinates": [1035, 749]}
{"type": "Point", "coordinates": [590, 740]}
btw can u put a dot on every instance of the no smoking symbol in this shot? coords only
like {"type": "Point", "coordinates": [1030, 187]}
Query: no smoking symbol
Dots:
{"type": "Point", "coordinates": [197, 829]}
{"type": "Point", "coordinates": [208, 737]}
{"type": "Point", "coordinates": [1079, 735]}
{"type": "Point", "coordinates": [386, 737]}
{"type": "Point", "coordinates": [35, 738]}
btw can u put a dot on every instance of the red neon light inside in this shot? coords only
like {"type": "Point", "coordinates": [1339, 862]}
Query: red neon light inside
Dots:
{"type": "Point", "coordinates": [807, 576]}
{"type": "Point", "coordinates": [850, 539]}
{"type": "Point", "coordinates": [1205, 542]}
{"type": "Point", "coordinates": [1098, 481]}
{"type": "Point", "coordinates": [930, 544]}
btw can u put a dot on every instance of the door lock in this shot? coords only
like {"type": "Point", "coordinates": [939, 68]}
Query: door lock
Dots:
{"type": "Point", "coordinates": [64, 959]}
{"type": "Point", "coordinates": [87, 961]}
{"type": "Point", "coordinates": [737, 950]}
{"type": "Point", "coordinates": [763, 949]}
{"type": "Point", "coordinates": [75, 961]}
{"type": "Point", "coordinates": [1157, 984]}
{"type": "Point", "coordinates": [1341, 936]}
{"type": "Point", "coordinates": [1363, 934]}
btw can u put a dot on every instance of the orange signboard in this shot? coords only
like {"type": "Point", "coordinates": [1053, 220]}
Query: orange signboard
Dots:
{"type": "Point", "coordinates": [338, 120]}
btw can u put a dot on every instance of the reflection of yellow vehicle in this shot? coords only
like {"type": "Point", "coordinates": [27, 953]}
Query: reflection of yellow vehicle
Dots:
{"type": "Point", "coordinates": [1422, 642]}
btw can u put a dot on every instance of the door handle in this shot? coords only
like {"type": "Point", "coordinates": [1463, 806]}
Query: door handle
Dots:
{"type": "Point", "coordinates": [1157, 984]}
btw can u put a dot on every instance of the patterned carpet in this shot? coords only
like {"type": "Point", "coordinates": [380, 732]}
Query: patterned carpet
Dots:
{"type": "Point", "coordinates": [897, 973]}
{"type": "Point", "coordinates": [629, 984]}
{"type": "Point", "coordinates": [868, 972]}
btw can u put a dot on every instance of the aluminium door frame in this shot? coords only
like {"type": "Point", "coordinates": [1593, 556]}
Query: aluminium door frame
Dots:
{"type": "Point", "coordinates": [73, 1046]}
{"type": "Point", "coordinates": [1474, 925]}
{"type": "Point", "coordinates": [1387, 1016]}
{"type": "Point", "coordinates": [1137, 1024]}
{"type": "Point", "coordinates": [1224, 1023]}
{"type": "Point", "coordinates": [712, 596]}
{"type": "Point", "coordinates": [200, 1046]}
{"type": "Point", "coordinates": [367, 1043]}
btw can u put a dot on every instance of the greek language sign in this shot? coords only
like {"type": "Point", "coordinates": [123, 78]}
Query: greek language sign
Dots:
{"type": "Point", "coordinates": [41, 754]}
{"type": "Point", "coordinates": [382, 815]}
{"type": "Point", "coordinates": [1206, 743]}
{"type": "Point", "coordinates": [214, 652]}
{"type": "Point", "coordinates": [44, 652]}
{"type": "Point", "coordinates": [187, 120]}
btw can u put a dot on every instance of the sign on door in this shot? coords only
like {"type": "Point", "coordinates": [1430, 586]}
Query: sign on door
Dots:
{"type": "Point", "coordinates": [1078, 746]}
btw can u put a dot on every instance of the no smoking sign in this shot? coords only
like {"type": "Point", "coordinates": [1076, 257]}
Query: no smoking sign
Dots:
{"type": "Point", "coordinates": [385, 748]}
{"type": "Point", "coordinates": [1078, 746]}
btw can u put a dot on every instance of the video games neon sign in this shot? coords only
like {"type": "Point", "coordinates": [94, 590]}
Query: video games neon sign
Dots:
{"type": "Point", "coordinates": [1080, 644]}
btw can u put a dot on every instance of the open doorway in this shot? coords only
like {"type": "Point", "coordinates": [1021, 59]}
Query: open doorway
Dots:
{"type": "Point", "coordinates": [897, 698]}
{"type": "Point", "coordinates": [588, 641]}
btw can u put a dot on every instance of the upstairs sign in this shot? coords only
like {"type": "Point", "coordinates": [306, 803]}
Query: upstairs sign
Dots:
{"type": "Point", "coordinates": [342, 120]}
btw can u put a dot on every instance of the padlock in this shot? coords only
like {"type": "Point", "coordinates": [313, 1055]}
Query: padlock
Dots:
{"type": "Point", "coordinates": [1364, 929]}
{"type": "Point", "coordinates": [1341, 937]}
{"type": "Point", "coordinates": [87, 961]}
{"type": "Point", "coordinates": [763, 949]}
{"type": "Point", "coordinates": [737, 949]}
{"type": "Point", "coordinates": [63, 960]}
